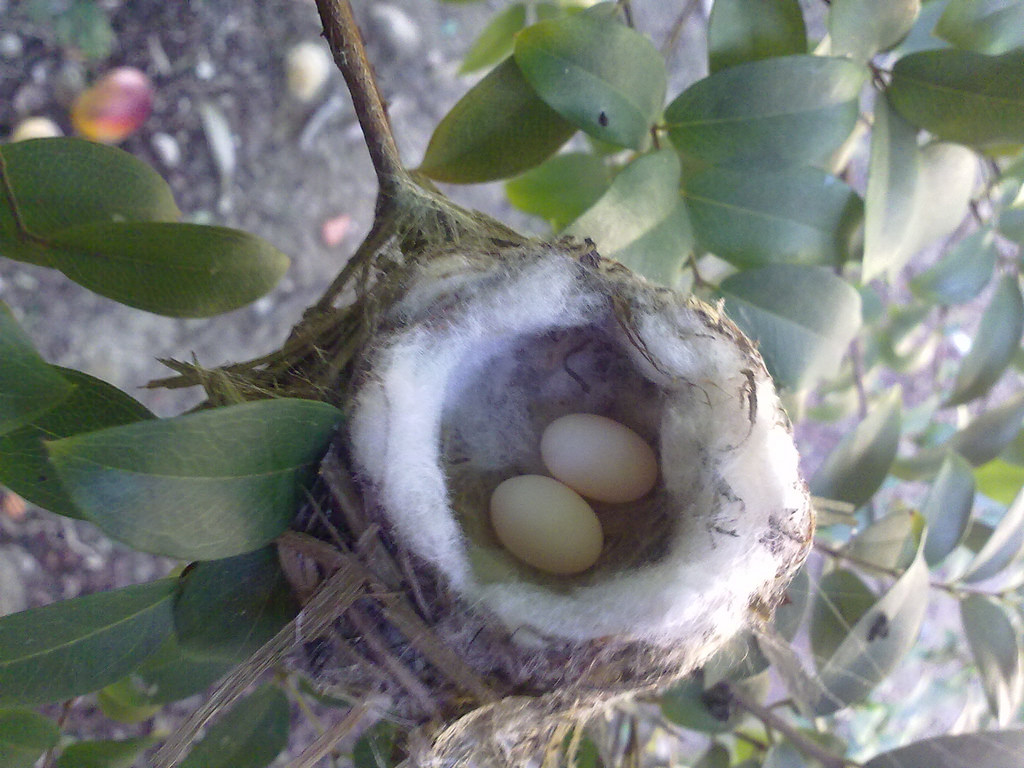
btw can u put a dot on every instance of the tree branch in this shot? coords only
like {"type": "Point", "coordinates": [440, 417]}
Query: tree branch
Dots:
{"type": "Point", "coordinates": [349, 53]}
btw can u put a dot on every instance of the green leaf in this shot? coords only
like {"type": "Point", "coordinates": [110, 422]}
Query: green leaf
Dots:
{"type": "Point", "coordinates": [1011, 224]}
{"type": "Point", "coordinates": [888, 543]}
{"type": "Point", "coordinates": [879, 639]}
{"type": "Point", "coordinates": [996, 650]}
{"type": "Point", "coordinates": [861, 28]}
{"type": "Point", "coordinates": [105, 754]}
{"type": "Point", "coordinates": [24, 464]}
{"type": "Point", "coordinates": [181, 270]}
{"type": "Point", "coordinates": [783, 755]}
{"type": "Point", "coordinates": [639, 220]}
{"type": "Point", "coordinates": [63, 183]}
{"type": "Point", "coordinates": [990, 431]}
{"type": "Point", "coordinates": [793, 216]}
{"type": "Point", "coordinates": [985, 26]}
{"type": "Point", "coordinates": [227, 609]}
{"type": "Point", "coordinates": [947, 508]}
{"type": "Point", "coordinates": [841, 599]}
{"type": "Point", "coordinates": [687, 704]}
{"type": "Point", "coordinates": [203, 486]}
{"type": "Point", "coordinates": [858, 465]}
{"type": "Point", "coordinates": [495, 41]}
{"type": "Point", "coordinates": [1004, 545]}
{"type": "Point", "coordinates": [803, 318]}
{"type": "Point", "coordinates": [251, 735]}
{"type": "Point", "coordinates": [600, 75]}
{"type": "Point", "coordinates": [1000, 480]}
{"type": "Point", "coordinates": [24, 737]}
{"type": "Point", "coordinates": [124, 702]}
{"type": "Point", "coordinates": [500, 128]}
{"type": "Point", "coordinates": [561, 188]}
{"type": "Point", "coordinates": [997, 340]}
{"type": "Point", "coordinates": [171, 675]}
{"type": "Point", "coordinates": [376, 747]}
{"type": "Point", "coordinates": [29, 386]}
{"type": "Point", "coordinates": [967, 97]}
{"type": "Point", "coordinates": [793, 110]}
{"type": "Point", "coordinates": [961, 273]}
{"type": "Point", "coordinates": [717, 756]}
{"type": "Point", "coordinates": [914, 196]}
{"type": "Point", "coordinates": [76, 646]}
{"type": "Point", "coordinates": [747, 30]}
{"type": "Point", "coordinates": [992, 749]}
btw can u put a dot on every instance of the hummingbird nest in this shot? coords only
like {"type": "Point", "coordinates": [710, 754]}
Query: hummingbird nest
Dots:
{"type": "Point", "coordinates": [459, 342]}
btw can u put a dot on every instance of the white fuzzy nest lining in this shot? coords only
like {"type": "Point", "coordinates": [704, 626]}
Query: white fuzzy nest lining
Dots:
{"type": "Point", "coordinates": [480, 353]}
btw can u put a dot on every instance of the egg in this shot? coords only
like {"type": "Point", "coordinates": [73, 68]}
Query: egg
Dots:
{"type": "Point", "coordinates": [599, 458]}
{"type": "Point", "coordinates": [546, 524]}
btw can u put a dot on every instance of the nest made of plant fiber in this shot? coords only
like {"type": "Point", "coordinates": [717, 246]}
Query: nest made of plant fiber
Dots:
{"type": "Point", "coordinates": [467, 351]}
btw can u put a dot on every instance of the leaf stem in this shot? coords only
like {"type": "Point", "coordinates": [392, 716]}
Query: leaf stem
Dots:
{"type": "Point", "coordinates": [349, 53]}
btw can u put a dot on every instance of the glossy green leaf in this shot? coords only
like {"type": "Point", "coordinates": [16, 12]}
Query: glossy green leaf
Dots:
{"type": "Point", "coordinates": [793, 110]}
{"type": "Point", "coordinates": [961, 273]}
{"type": "Point", "coordinates": [783, 755]}
{"type": "Point", "coordinates": [1000, 480]}
{"type": "Point", "coordinates": [688, 704]}
{"type": "Point", "coordinates": [638, 221]}
{"type": "Point", "coordinates": [561, 188]}
{"type": "Point", "coordinates": [996, 341]}
{"type": "Point", "coordinates": [840, 600]}
{"type": "Point", "coordinates": [996, 650]}
{"type": "Point", "coordinates": [858, 465]}
{"type": "Point", "coordinates": [921, 37]}
{"type": "Point", "coordinates": [717, 756]}
{"type": "Point", "coordinates": [659, 253]}
{"type": "Point", "coordinates": [1004, 545]}
{"type": "Point", "coordinates": [24, 464]}
{"type": "Point", "coordinates": [28, 385]}
{"type": "Point", "coordinates": [992, 749]}
{"type": "Point", "coordinates": [803, 318]}
{"type": "Point", "coordinates": [962, 96]}
{"type": "Point", "coordinates": [914, 196]}
{"type": "Point", "coordinates": [947, 508]}
{"type": "Point", "coordinates": [495, 41]}
{"type": "Point", "coordinates": [24, 737]}
{"type": "Point", "coordinates": [64, 183]}
{"type": "Point", "coordinates": [500, 128]}
{"type": "Point", "coordinates": [894, 168]}
{"type": "Point", "coordinates": [203, 486]}
{"type": "Point", "coordinates": [747, 30]}
{"type": "Point", "coordinates": [250, 735]}
{"type": "Point", "coordinates": [888, 543]}
{"type": "Point", "coordinates": [124, 702]}
{"type": "Point", "coordinates": [878, 641]}
{"type": "Point", "coordinates": [1011, 224]}
{"type": "Point", "coordinates": [76, 646]}
{"type": "Point", "coordinates": [227, 609]}
{"type": "Point", "coordinates": [985, 26]}
{"type": "Point", "coordinates": [597, 73]}
{"type": "Point", "coordinates": [170, 674]}
{"type": "Point", "coordinates": [181, 270]}
{"type": "Point", "coordinates": [861, 28]}
{"type": "Point", "coordinates": [790, 615]}
{"type": "Point", "coordinates": [376, 747]}
{"type": "Point", "coordinates": [985, 436]}
{"type": "Point", "coordinates": [105, 754]}
{"type": "Point", "coordinates": [793, 216]}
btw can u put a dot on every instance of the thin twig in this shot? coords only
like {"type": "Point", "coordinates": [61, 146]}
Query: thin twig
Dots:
{"type": "Point", "coordinates": [349, 53]}
{"type": "Point", "coordinates": [796, 738]}
{"type": "Point", "coordinates": [324, 743]}
{"type": "Point", "coordinates": [50, 758]}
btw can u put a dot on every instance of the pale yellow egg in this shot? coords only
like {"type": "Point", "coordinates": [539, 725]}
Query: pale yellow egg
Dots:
{"type": "Point", "coordinates": [599, 458]}
{"type": "Point", "coordinates": [546, 524]}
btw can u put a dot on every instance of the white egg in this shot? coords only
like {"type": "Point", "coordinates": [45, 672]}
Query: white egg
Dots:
{"type": "Point", "coordinates": [546, 524]}
{"type": "Point", "coordinates": [599, 458]}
